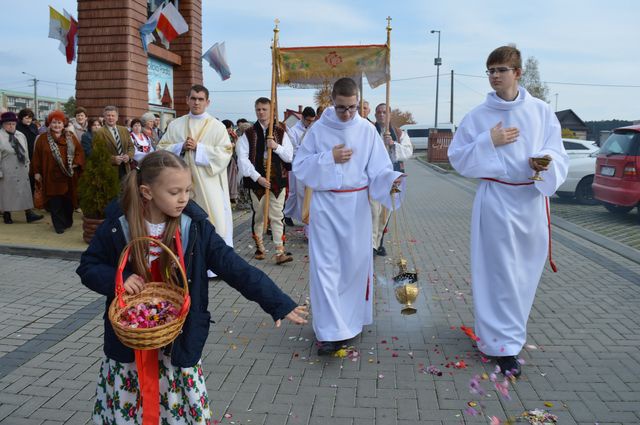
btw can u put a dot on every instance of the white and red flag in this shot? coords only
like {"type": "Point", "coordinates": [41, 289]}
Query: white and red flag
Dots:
{"type": "Point", "coordinates": [171, 23]}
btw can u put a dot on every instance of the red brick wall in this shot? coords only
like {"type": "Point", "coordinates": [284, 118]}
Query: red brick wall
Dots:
{"type": "Point", "coordinates": [189, 47]}
{"type": "Point", "coordinates": [112, 65]}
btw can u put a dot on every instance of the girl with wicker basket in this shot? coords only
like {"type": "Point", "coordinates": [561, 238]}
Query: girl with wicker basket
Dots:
{"type": "Point", "coordinates": [155, 205]}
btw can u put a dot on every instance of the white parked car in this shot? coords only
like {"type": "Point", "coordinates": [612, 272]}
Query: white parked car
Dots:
{"type": "Point", "coordinates": [579, 180]}
{"type": "Point", "coordinates": [419, 133]}
{"type": "Point", "coordinates": [579, 148]}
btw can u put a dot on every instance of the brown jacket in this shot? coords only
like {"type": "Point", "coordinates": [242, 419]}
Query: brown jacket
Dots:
{"type": "Point", "coordinates": [128, 148]}
{"type": "Point", "coordinates": [54, 181]}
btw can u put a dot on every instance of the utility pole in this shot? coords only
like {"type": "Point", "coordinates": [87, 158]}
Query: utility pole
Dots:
{"type": "Point", "coordinates": [556, 102]}
{"type": "Point", "coordinates": [451, 105]}
{"type": "Point", "coordinates": [437, 62]}
{"type": "Point", "coordinates": [35, 94]}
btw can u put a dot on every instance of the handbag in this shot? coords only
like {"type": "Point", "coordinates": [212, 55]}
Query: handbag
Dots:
{"type": "Point", "coordinates": [38, 195]}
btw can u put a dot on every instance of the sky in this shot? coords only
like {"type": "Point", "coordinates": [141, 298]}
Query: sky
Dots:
{"type": "Point", "coordinates": [587, 50]}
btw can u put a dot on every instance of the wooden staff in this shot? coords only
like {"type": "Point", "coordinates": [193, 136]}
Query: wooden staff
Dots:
{"type": "Point", "coordinates": [274, 57]}
{"type": "Point", "coordinates": [388, 113]}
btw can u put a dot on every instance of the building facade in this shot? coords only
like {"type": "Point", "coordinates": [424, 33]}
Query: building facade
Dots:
{"type": "Point", "coordinates": [15, 101]}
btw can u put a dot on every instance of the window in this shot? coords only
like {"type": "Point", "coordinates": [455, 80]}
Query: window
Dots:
{"type": "Point", "coordinates": [421, 132]}
{"type": "Point", "coordinates": [621, 143]}
{"type": "Point", "coordinates": [573, 146]}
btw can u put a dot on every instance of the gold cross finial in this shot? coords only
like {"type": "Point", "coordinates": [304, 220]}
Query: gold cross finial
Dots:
{"type": "Point", "coordinates": [388, 22]}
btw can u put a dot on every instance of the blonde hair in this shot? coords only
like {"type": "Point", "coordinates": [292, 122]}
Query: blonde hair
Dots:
{"type": "Point", "coordinates": [133, 205]}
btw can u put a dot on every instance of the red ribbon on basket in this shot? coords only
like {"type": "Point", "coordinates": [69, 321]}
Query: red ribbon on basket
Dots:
{"type": "Point", "coordinates": [147, 360]}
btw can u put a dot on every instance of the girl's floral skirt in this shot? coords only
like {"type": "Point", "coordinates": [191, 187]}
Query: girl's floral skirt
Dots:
{"type": "Point", "coordinates": [183, 394]}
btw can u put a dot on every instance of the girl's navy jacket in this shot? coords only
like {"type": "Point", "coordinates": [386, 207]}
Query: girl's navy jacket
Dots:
{"type": "Point", "coordinates": [204, 250]}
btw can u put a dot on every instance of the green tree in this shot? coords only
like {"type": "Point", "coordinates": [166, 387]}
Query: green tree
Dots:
{"type": "Point", "coordinates": [69, 107]}
{"type": "Point", "coordinates": [531, 80]}
{"type": "Point", "coordinates": [99, 183]}
{"type": "Point", "coordinates": [568, 134]}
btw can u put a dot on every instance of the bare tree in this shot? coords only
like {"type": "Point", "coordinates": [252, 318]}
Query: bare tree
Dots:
{"type": "Point", "coordinates": [531, 80]}
{"type": "Point", "coordinates": [400, 118]}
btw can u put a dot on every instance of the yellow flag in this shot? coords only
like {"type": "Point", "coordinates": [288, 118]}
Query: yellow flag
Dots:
{"type": "Point", "coordinates": [59, 25]}
{"type": "Point", "coordinates": [308, 67]}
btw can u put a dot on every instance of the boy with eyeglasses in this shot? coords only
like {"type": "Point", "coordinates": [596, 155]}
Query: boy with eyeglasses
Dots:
{"type": "Point", "coordinates": [345, 162]}
{"type": "Point", "coordinates": [510, 231]}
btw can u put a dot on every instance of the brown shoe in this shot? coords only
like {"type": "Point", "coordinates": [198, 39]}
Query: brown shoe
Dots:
{"type": "Point", "coordinates": [260, 251]}
{"type": "Point", "coordinates": [283, 257]}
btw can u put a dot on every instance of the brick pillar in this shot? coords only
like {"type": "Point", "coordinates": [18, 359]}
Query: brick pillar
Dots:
{"type": "Point", "coordinates": [112, 65]}
{"type": "Point", "coordinates": [189, 47]}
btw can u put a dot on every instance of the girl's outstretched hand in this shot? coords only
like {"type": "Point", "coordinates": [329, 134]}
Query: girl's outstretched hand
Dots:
{"type": "Point", "coordinates": [134, 284]}
{"type": "Point", "coordinates": [297, 316]}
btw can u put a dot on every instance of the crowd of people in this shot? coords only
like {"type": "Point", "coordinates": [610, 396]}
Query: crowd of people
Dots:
{"type": "Point", "coordinates": [334, 171]}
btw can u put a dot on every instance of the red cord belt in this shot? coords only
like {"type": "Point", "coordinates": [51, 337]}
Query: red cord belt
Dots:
{"type": "Point", "coordinates": [349, 190]}
{"type": "Point", "coordinates": [546, 200]}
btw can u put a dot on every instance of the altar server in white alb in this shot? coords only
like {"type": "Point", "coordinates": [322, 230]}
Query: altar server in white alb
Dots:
{"type": "Point", "coordinates": [295, 197]}
{"type": "Point", "coordinates": [509, 225]}
{"type": "Point", "coordinates": [204, 144]}
{"type": "Point", "coordinates": [344, 161]}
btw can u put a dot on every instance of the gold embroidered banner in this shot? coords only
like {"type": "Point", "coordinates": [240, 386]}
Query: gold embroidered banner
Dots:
{"type": "Point", "coordinates": [312, 67]}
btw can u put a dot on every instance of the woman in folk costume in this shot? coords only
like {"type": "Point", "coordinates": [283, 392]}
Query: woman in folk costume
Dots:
{"type": "Point", "coordinates": [510, 231]}
{"type": "Point", "coordinates": [15, 190]}
{"type": "Point", "coordinates": [204, 144]}
{"type": "Point", "coordinates": [166, 386]}
{"type": "Point", "coordinates": [141, 142]}
{"type": "Point", "coordinates": [58, 160]}
{"type": "Point", "coordinates": [344, 161]}
{"type": "Point", "coordinates": [148, 121]}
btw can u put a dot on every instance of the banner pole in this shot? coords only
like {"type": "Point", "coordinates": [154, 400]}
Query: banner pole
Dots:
{"type": "Point", "coordinates": [388, 112]}
{"type": "Point", "coordinates": [272, 115]}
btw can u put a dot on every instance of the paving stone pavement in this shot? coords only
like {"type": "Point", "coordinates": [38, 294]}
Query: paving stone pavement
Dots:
{"type": "Point", "coordinates": [624, 228]}
{"type": "Point", "coordinates": [582, 356]}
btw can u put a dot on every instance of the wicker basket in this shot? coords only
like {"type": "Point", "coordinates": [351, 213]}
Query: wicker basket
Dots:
{"type": "Point", "coordinates": [159, 336]}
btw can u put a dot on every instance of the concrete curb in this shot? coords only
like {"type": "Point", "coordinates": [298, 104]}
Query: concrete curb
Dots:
{"type": "Point", "coordinates": [616, 247]}
{"type": "Point", "coordinates": [619, 248]}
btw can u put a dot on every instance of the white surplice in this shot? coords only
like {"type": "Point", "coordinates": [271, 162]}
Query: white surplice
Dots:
{"type": "Point", "coordinates": [340, 259]}
{"type": "Point", "coordinates": [208, 164]}
{"type": "Point", "coordinates": [295, 197]}
{"type": "Point", "coordinates": [509, 234]}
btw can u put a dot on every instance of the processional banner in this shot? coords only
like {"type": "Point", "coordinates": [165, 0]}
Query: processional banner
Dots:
{"type": "Point", "coordinates": [313, 67]}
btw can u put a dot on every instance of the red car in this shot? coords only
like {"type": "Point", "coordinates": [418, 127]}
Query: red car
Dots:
{"type": "Point", "coordinates": [617, 178]}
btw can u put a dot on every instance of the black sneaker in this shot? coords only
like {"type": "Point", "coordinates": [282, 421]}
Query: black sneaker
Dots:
{"type": "Point", "coordinates": [375, 252]}
{"type": "Point", "coordinates": [6, 216]}
{"type": "Point", "coordinates": [327, 348]}
{"type": "Point", "coordinates": [382, 251]}
{"type": "Point", "coordinates": [288, 221]}
{"type": "Point", "coordinates": [509, 366]}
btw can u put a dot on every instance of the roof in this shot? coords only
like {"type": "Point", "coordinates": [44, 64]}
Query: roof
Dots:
{"type": "Point", "coordinates": [569, 119]}
{"type": "Point", "coordinates": [635, 127]}
{"type": "Point", "coordinates": [30, 96]}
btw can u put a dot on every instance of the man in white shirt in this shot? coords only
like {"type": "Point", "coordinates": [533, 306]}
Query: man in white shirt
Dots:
{"type": "Point", "coordinates": [251, 150]}
{"type": "Point", "coordinates": [400, 149]}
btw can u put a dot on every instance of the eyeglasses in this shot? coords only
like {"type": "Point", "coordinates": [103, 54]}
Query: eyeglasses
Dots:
{"type": "Point", "coordinates": [500, 70]}
{"type": "Point", "coordinates": [342, 109]}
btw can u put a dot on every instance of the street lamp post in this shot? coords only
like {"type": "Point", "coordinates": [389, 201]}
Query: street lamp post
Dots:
{"type": "Point", "coordinates": [556, 102]}
{"type": "Point", "coordinates": [437, 62]}
{"type": "Point", "coordinates": [35, 94]}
